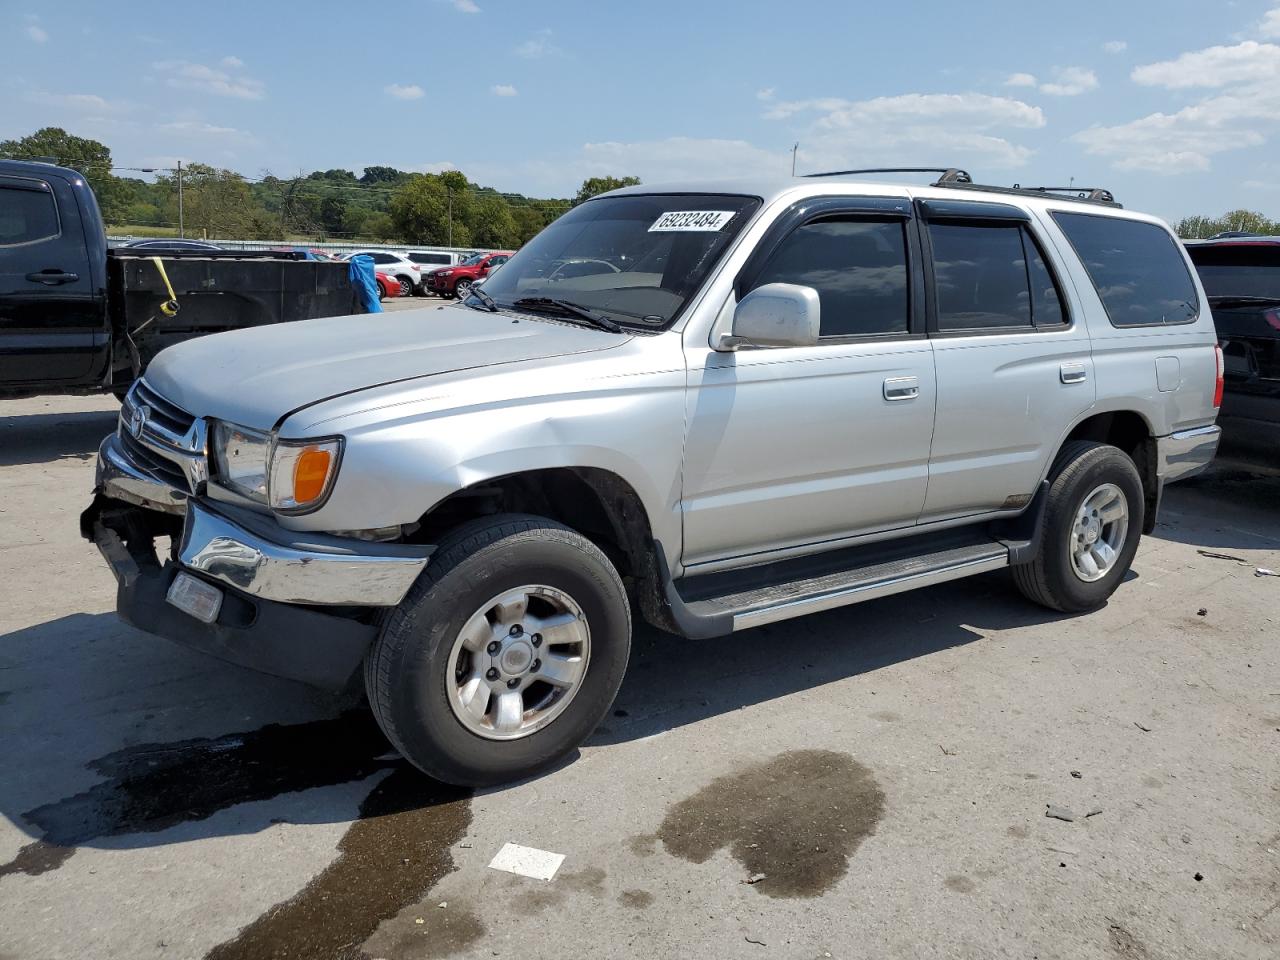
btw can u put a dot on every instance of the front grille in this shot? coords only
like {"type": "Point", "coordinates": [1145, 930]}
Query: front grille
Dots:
{"type": "Point", "coordinates": [153, 463]}
{"type": "Point", "coordinates": [163, 413]}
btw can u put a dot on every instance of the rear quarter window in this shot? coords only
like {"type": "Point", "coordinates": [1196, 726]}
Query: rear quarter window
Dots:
{"type": "Point", "coordinates": [1137, 269]}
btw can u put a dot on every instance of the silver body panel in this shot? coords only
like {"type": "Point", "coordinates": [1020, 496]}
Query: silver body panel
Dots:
{"type": "Point", "coordinates": [739, 457]}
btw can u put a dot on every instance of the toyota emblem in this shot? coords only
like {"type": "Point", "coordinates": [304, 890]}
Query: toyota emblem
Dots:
{"type": "Point", "coordinates": [138, 420]}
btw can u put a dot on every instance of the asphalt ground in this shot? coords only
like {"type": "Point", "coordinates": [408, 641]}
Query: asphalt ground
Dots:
{"type": "Point", "coordinates": [882, 773]}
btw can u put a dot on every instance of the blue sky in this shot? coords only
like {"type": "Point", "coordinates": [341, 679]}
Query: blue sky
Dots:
{"type": "Point", "coordinates": [1175, 105]}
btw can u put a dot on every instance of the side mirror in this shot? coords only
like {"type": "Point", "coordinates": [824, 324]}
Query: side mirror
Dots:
{"type": "Point", "coordinates": [776, 315]}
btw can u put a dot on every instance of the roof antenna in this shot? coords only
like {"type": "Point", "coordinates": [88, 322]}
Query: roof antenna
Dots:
{"type": "Point", "coordinates": [793, 157]}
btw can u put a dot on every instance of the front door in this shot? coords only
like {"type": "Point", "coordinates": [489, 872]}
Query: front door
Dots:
{"type": "Point", "coordinates": [52, 323]}
{"type": "Point", "coordinates": [793, 446]}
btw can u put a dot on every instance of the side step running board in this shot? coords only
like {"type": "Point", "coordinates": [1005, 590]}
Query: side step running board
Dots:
{"type": "Point", "coordinates": [824, 590]}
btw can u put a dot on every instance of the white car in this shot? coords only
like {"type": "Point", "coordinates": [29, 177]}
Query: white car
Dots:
{"type": "Point", "coordinates": [398, 265]}
{"type": "Point", "coordinates": [433, 259]}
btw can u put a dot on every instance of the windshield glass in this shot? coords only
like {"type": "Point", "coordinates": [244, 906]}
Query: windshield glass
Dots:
{"type": "Point", "coordinates": [632, 258]}
{"type": "Point", "coordinates": [473, 259]}
{"type": "Point", "coordinates": [1239, 270]}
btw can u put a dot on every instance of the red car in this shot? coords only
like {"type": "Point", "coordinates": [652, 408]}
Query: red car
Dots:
{"type": "Point", "coordinates": [456, 281]}
{"type": "Point", "coordinates": [388, 286]}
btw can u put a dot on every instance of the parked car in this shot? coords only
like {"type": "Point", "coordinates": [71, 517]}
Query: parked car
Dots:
{"type": "Point", "coordinates": [388, 286]}
{"type": "Point", "coordinates": [163, 243]}
{"type": "Point", "coordinates": [830, 391]}
{"type": "Point", "coordinates": [1242, 280]}
{"type": "Point", "coordinates": [76, 317]}
{"type": "Point", "coordinates": [456, 281]}
{"type": "Point", "coordinates": [430, 260]}
{"type": "Point", "coordinates": [399, 266]}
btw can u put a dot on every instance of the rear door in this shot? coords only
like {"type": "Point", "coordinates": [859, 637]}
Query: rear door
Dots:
{"type": "Point", "coordinates": [52, 319]}
{"type": "Point", "coordinates": [1014, 364]}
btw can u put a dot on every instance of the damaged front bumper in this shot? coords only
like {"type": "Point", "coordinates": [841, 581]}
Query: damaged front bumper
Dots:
{"type": "Point", "coordinates": [296, 605]}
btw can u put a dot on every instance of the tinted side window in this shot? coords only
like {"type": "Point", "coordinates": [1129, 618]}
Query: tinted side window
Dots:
{"type": "Point", "coordinates": [858, 267]}
{"type": "Point", "coordinates": [27, 215]}
{"type": "Point", "coordinates": [1137, 269]}
{"type": "Point", "coordinates": [384, 258]}
{"type": "Point", "coordinates": [1046, 305]}
{"type": "Point", "coordinates": [980, 275]}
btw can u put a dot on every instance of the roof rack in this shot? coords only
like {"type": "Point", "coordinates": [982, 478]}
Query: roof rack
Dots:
{"type": "Point", "coordinates": [950, 175]}
{"type": "Point", "coordinates": [1079, 194]}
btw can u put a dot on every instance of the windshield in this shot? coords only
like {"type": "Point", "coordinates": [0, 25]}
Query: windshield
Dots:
{"type": "Point", "coordinates": [633, 258]}
{"type": "Point", "coordinates": [1239, 270]}
{"type": "Point", "coordinates": [473, 259]}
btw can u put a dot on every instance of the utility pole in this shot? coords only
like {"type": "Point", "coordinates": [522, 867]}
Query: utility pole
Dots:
{"type": "Point", "coordinates": [793, 157]}
{"type": "Point", "coordinates": [449, 191]}
{"type": "Point", "coordinates": [182, 228]}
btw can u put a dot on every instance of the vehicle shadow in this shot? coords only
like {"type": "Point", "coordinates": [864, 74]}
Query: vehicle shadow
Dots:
{"type": "Point", "coordinates": [96, 674]}
{"type": "Point", "coordinates": [1233, 504]}
{"type": "Point", "coordinates": [45, 437]}
{"type": "Point", "coordinates": [672, 682]}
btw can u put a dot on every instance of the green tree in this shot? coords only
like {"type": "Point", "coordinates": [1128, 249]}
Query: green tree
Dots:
{"type": "Point", "coordinates": [1250, 221]}
{"type": "Point", "coordinates": [594, 186]}
{"type": "Point", "coordinates": [90, 157]}
{"type": "Point", "coordinates": [490, 222]}
{"type": "Point", "coordinates": [217, 203]}
{"type": "Point", "coordinates": [431, 208]}
{"type": "Point", "coordinates": [383, 175]}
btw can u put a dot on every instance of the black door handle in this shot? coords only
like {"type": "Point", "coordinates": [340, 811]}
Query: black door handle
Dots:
{"type": "Point", "coordinates": [53, 277]}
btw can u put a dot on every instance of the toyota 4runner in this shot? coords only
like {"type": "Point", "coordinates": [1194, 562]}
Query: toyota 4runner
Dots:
{"type": "Point", "coordinates": [763, 400]}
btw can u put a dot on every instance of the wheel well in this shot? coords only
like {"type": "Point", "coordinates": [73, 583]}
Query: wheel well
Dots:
{"type": "Point", "coordinates": [596, 503]}
{"type": "Point", "coordinates": [1129, 432]}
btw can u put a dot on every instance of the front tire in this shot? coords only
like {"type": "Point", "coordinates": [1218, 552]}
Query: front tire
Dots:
{"type": "Point", "coordinates": [406, 286]}
{"type": "Point", "coordinates": [505, 654]}
{"type": "Point", "coordinates": [1092, 525]}
{"type": "Point", "coordinates": [461, 289]}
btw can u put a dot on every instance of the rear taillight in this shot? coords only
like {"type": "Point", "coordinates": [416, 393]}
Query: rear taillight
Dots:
{"type": "Point", "coordinates": [1272, 317]}
{"type": "Point", "coordinates": [1218, 384]}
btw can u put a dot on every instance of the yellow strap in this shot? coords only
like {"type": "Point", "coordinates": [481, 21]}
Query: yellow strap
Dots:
{"type": "Point", "coordinates": [170, 307]}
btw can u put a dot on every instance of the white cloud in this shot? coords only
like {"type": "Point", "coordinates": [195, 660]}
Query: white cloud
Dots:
{"type": "Point", "coordinates": [466, 6]}
{"type": "Point", "coordinates": [1270, 25]}
{"type": "Point", "coordinates": [765, 94]}
{"type": "Point", "coordinates": [440, 167]}
{"type": "Point", "coordinates": [1070, 82]}
{"type": "Point", "coordinates": [538, 46]}
{"type": "Point", "coordinates": [201, 129]}
{"type": "Point", "coordinates": [401, 91]}
{"type": "Point", "coordinates": [1021, 80]}
{"type": "Point", "coordinates": [183, 74]}
{"type": "Point", "coordinates": [1186, 140]}
{"type": "Point", "coordinates": [1247, 62]}
{"type": "Point", "coordinates": [910, 128]}
{"type": "Point", "coordinates": [37, 33]}
{"type": "Point", "coordinates": [1115, 46]}
{"type": "Point", "coordinates": [80, 102]}
{"type": "Point", "coordinates": [503, 90]}
{"type": "Point", "coordinates": [233, 63]}
{"type": "Point", "coordinates": [681, 158]}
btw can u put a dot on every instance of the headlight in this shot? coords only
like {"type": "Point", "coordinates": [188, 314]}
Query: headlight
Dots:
{"type": "Point", "coordinates": [240, 457]}
{"type": "Point", "coordinates": [291, 476]}
{"type": "Point", "coordinates": [302, 473]}
{"type": "Point", "coordinates": [445, 273]}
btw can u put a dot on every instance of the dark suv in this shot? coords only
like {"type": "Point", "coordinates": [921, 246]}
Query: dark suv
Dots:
{"type": "Point", "coordinates": [1241, 277]}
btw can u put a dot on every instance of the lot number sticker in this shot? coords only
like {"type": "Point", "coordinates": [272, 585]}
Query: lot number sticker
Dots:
{"type": "Point", "coordinates": [691, 220]}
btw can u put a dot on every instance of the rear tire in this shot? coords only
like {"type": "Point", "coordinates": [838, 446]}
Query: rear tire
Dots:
{"type": "Point", "coordinates": [406, 286]}
{"type": "Point", "coordinates": [424, 663]}
{"type": "Point", "coordinates": [1092, 525]}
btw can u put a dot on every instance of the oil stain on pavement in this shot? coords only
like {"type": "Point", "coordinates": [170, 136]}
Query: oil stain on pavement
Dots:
{"type": "Point", "coordinates": [796, 819]}
{"type": "Point", "coordinates": [397, 849]}
{"type": "Point", "coordinates": [388, 859]}
{"type": "Point", "coordinates": [155, 786]}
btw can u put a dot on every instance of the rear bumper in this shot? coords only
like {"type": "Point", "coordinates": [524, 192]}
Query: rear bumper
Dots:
{"type": "Point", "coordinates": [1184, 453]}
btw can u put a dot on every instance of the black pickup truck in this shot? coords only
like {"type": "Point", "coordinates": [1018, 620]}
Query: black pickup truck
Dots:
{"type": "Point", "coordinates": [76, 317]}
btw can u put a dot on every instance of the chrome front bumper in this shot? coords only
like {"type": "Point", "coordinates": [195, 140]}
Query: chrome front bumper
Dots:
{"type": "Point", "coordinates": [1184, 453]}
{"type": "Point", "coordinates": [250, 552]}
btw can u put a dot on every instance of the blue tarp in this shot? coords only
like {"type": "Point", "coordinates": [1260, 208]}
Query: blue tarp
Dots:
{"type": "Point", "coordinates": [366, 284]}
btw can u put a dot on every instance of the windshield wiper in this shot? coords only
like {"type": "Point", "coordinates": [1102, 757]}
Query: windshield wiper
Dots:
{"type": "Point", "coordinates": [486, 302]}
{"type": "Point", "coordinates": [1243, 301]}
{"type": "Point", "coordinates": [563, 307]}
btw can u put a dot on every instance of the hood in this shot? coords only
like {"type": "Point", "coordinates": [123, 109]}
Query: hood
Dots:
{"type": "Point", "coordinates": [254, 377]}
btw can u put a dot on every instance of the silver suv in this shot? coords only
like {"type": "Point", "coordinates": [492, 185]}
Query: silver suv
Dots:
{"type": "Point", "coordinates": [719, 405]}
